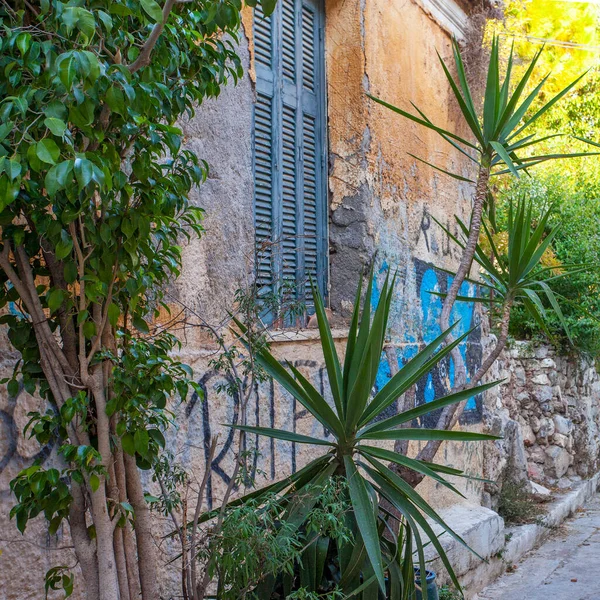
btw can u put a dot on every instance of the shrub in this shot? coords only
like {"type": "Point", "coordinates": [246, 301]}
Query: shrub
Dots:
{"type": "Point", "coordinates": [577, 209]}
{"type": "Point", "coordinates": [516, 505]}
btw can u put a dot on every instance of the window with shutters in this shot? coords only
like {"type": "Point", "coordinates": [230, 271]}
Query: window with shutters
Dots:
{"type": "Point", "coordinates": [290, 209]}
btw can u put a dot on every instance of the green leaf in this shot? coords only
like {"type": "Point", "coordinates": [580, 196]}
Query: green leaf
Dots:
{"type": "Point", "coordinates": [365, 518]}
{"type": "Point", "coordinates": [94, 482]}
{"type": "Point", "coordinates": [116, 100]}
{"type": "Point", "coordinates": [13, 388]}
{"type": "Point", "coordinates": [427, 435]}
{"type": "Point", "coordinates": [268, 6]}
{"type": "Point", "coordinates": [114, 313]}
{"type": "Point", "coordinates": [153, 10]}
{"type": "Point", "coordinates": [503, 154]}
{"type": "Point", "coordinates": [64, 246]}
{"type": "Point", "coordinates": [128, 444]}
{"type": "Point", "coordinates": [84, 171]}
{"type": "Point", "coordinates": [66, 69]}
{"type": "Point", "coordinates": [56, 126]}
{"type": "Point", "coordinates": [140, 324]}
{"type": "Point", "coordinates": [305, 393]}
{"type": "Point", "coordinates": [89, 329]}
{"type": "Point", "coordinates": [141, 440]}
{"type": "Point", "coordinates": [58, 177]}
{"type": "Point", "coordinates": [409, 374]}
{"type": "Point", "coordinates": [427, 124]}
{"type": "Point", "coordinates": [416, 465]}
{"type": "Point", "coordinates": [5, 129]}
{"type": "Point", "coordinates": [332, 361]}
{"type": "Point", "coordinates": [9, 191]}
{"type": "Point", "coordinates": [47, 151]}
{"type": "Point", "coordinates": [12, 168]}
{"type": "Point", "coordinates": [55, 299]}
{"type": "Point", "coordinates": [318, 405]}
{"type": "Point", "coordinates": [428, 407]}
{"type": "Point", "coordinates": [23, 42]}
{"type": "Point", "coordinates": [281, 434]}
{"type": "Point", "coordinates": [453, 175]}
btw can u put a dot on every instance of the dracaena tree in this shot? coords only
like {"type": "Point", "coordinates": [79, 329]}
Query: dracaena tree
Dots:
{"type": "Point", "coordinates": [513, 274]}
{"type": "Point", "coordinates": [370, 561]}
{"type": "Point", "coordinates": [94, 185]}
{"type": "Point", "coordinates": [500, 143]}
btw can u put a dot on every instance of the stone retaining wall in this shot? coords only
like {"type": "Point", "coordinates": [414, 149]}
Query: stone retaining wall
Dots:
{"type": "Point", "coordinates": [548, 412]}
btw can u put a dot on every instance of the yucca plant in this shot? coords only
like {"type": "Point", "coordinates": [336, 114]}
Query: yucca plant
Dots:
{"type": "Point", "coordinates": [357, 430]}
{"type": "Point", "coordinates": [500, 141]}
{"type": "Point", "coordinates": [516, 274]}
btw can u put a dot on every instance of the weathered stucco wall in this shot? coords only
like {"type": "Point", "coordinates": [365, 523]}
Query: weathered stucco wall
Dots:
{"type": "Point", "coordinates": [381, 206]}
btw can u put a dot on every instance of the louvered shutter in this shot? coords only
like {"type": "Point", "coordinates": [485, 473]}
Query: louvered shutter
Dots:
{"type": "Point", "coordinates": [290, 194]}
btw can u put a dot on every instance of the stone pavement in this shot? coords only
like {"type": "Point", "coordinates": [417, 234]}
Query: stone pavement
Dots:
{"type": "Point", "coordinates": [565, 567]}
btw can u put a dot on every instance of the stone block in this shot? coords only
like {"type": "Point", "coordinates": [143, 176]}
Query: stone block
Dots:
{"type": "Point", "coordinates": [481, 528]}
{"type": "Point", "coordinates": [557, 462]}
{"type": "Point", "coordinates": [542, 393]}
{"type": "Point", "coordinates": [548, 363]}
{"type": "Point", "coordinates": [560, 440]}
{"type": "Point", "coordinates": [546, 429]}
{"type": "Point", "coordinates": [564, 483]}
{"type": "Point", "coordinates": [520, 377]}
{"type": "Point", "coordinates": [535, 471]}
{"type": "Point", "coordinates": [541, 379]}
{"type": "Point", "coordinates": [562, 425]}
{"type": "Point", "coordinates": [528, 435]}
{"type": "Point", "coordinates": [537, 455]}
{"type": "Point", "coordinates": [539, 492]}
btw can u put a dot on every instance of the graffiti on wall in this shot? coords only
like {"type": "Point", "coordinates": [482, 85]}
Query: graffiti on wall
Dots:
{"type": "Point", "coordinates": [271, 406]}
{"type": "Point", "coordinates": [424, 330]}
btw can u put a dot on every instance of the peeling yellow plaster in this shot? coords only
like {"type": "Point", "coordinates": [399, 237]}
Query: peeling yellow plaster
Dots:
{"type": "Point", "coordinates": [389, 49]}
{"type": "Point", "coordinates": [247, 21]}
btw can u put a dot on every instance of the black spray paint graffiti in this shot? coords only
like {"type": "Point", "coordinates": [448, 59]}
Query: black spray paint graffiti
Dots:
{"type": "Point", "coordinates": [262, 397]}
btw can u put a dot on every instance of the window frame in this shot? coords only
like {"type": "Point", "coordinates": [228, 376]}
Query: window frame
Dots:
{"type": "Point", "coordinates": [282, 92]}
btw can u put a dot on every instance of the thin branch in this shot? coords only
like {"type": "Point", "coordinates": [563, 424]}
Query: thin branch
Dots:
{"type": "Point", "coordinates": [143, 58]}
{"type": "Point", "coordinates": [203, 484]}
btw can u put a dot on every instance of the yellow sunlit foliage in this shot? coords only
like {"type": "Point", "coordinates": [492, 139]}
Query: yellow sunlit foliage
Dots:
{"type": "Point", "coordinates": [570, 30]}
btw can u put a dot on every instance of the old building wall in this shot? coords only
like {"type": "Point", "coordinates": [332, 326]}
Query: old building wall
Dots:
{"type": "Point", "coordinates": [381, 207]}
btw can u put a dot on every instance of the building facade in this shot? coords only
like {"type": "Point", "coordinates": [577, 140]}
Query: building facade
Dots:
{"type": "Point", "coordinates": [308, 177]}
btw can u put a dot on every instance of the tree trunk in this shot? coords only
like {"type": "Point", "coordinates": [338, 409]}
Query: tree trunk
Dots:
{"type": "Point", "coordinates": [133, 575]}
{"type": "Point", "coordinates": [143, 531]}
{"type": "Point", "coordinates": [85, 549]}
{"type": "Point", "coordinates": [466, 260]}
{"type": "Point", "coordinates": [451, 414]}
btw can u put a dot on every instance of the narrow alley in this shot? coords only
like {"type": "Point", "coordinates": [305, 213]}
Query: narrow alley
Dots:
{"type": "Point", "coordinates": [565, 567]}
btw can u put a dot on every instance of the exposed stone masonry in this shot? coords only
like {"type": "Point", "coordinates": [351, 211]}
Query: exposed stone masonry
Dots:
{"type": "Point", "coordinates": [548, 412]}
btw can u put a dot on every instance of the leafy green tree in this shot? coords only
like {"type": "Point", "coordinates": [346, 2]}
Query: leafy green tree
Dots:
{"type": "Point", "coordinates": [94, 184]}
{"type": "Point", "coordinates": [569, 31]}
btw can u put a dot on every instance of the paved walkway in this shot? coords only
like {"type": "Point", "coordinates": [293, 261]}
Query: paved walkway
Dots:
{"type": "Point", "coordinates": [565, 567]}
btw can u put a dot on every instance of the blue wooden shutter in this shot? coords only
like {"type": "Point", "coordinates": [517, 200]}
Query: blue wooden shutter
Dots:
{"type": "Point", "coordinates": [289, 147]}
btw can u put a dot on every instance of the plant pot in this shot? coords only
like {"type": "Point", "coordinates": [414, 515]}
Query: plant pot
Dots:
{"type": "Point", "coordinates": [432, 589]}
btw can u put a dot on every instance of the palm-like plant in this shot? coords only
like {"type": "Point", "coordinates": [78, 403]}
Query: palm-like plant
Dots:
{"type": "Point", "coordinates": [356, 423]}
{"type": "Point", "coordinates": [516, 275]}
{"type": "Point", "coordinates": [500, 137]}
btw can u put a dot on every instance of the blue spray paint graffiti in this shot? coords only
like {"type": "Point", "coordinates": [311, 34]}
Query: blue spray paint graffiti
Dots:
{"type": "Point", "coordinates": [441, 379]}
